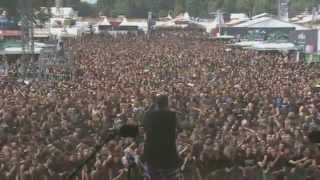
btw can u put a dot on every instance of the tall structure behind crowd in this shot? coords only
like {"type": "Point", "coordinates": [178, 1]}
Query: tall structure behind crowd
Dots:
{"type": "Point", "coordinates": [219, 20]}
{"type": "Point", "coordinates": [58, 4]}
{"type": "Point", "coordinates": [283, 10]}
{"type": "Point", "coordinates": [25, 11]}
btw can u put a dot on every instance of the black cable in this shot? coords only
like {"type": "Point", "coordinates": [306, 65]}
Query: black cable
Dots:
{"type": "Point", "coordinates": [77, 170]}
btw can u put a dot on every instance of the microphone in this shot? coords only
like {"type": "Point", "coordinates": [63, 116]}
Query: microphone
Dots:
{"type": "Point", "coordinates": [126, 130]}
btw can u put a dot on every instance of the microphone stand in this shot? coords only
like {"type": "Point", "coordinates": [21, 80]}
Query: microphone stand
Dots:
{"type": "Point", "coordinates": [98, 147]}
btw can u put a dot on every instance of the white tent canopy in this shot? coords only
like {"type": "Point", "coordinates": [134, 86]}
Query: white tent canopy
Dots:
{"type": "Point", "coordinates": [247, 43]}
{"type": "Point", "coordinates": [65, 12]}
{"type": "Point", "coordinates": [274, 46]}
{"type": "Point", "coordinates": [239, 16]}
{"type": "Point", "coordinates": [183, 17]}
{"type": "Point", "coordinates": [104, 22]}
{"type": "Point", "coordinates": [269, 22]}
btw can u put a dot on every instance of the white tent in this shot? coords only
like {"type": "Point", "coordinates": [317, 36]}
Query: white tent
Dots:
{"type": "Point", "coordinates": [239, 16]}
{"type": "Point", "coordinates": [185, 17]}
{"type": "Point", "coordinates": [64, 12]}
{"type": "Point", "coordinates": [104, 22]}
{"type": "Point", "coordinates": [141, 24]}
{"type": "Point", "coordinates": [247, 43]}
{"type": "Point", "coordinates": [167, 18]}
{"type": "Point", "coordinates": [237, 19]}
{"type": "Point", "coordinates": [273, 46]}
{"type": "Point", "coordinates": [261, 16]}
{"type": "Point", "coordinates": [270, 22]}
{"type": "Point", "coordinates": [181, 21]}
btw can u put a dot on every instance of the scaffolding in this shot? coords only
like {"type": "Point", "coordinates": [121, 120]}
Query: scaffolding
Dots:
{"type": "Point", "coordinates": [27, 59]}
{"type": "Point", "coordinates": [52, 63]}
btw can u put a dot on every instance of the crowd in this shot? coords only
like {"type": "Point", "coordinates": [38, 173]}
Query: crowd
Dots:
{"type": "Point", "coordinates": [243, 115]}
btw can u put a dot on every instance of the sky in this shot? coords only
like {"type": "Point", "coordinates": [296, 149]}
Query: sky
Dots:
{"type": "Point", "coordinates": [90, 1]}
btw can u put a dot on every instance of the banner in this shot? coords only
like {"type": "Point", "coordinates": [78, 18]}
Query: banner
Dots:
{"type": "Point", "coordinates": [306, 40]}
{"type": "Point", "coordinates": [312, 58]}
{"type": "Point", "coordinates": [5, 33]}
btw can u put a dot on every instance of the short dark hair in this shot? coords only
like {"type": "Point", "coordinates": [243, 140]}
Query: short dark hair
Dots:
{"type": "Point", "coordinates": [162, 101]}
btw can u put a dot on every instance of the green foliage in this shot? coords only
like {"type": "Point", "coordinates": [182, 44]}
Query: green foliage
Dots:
{"type": "Point", "coordinates": [85, 9]}
{"type": "Point", "coordinates": [179, 6]}
{"type": "Point", "coordinates": [197, 8]}
{"type": "Point", "coordinates": [121, 7]}
{"type": "Point", "coordinates": [200, 8]}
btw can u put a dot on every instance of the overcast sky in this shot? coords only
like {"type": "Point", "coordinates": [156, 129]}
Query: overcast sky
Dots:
{"type": "Point", "coordinates": [90, 1]}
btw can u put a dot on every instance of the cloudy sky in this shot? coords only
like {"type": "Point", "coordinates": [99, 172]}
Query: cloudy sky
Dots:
{"type": "Point", "coordinates": [90, 1]}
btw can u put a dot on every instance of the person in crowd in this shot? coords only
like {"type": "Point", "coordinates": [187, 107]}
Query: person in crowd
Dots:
{"type": "Point", "coordinates": [243, 114]}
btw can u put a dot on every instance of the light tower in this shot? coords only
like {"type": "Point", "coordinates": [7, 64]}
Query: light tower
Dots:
{"type": "Point", "coordinates": [218, 19]}
{"type": "Point", "coordinates": [25, 11]}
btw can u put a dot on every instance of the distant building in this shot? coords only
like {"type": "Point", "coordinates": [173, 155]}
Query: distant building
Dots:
{"type": "Point", "coordinates": [63, 12]}
{"type": "Point", "coordinates": [9, 29]}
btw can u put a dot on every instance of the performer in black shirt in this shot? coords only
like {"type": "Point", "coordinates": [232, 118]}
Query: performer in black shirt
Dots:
{"type": "Point", "coordinates": [160, 151]}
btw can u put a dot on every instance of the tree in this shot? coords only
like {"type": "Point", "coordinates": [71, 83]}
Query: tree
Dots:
{"type": "Point", "coordinates": [121, 7]}
{"type": "Point", "coordinates": [229, 6]}
{"type": "Point", "coordinates": [105, 7]}
{"type": "Point", "coordinates": [298, 6]}
{"type": "Point", "coordinates": [197, 7]}
{"type": "Point", "coordinates": [214, 5]}
{"type": "Point", "coordinates": [140, 8]}
{"type": "Point", "coordinates": [248, 6]}
{"type": "Point", "coordinates": [179, 6]}
{"type": "Point", "coordinates": [84, 9]}
{"type": "Point", "coordinates": [10, 6]}
{"type": "Point", "coordinates": [72, 3]}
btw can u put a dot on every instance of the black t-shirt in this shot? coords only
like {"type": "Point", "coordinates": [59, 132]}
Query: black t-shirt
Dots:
{"type": "Point", "coordinates": [282, 162]}
{"type": "Point", "coordinates": [160, 145]}
{"type": "Point", "coordinates": [249, 160]}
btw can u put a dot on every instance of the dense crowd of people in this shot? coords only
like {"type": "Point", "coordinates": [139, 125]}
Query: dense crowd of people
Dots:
{"type": "Point", "coordinates": [243, 115]}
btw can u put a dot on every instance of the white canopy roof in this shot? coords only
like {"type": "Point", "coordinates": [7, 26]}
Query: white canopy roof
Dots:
{"type": "Point", "coordinates": [261, 15]}
{"type": "Point", "coordinates": [183, 17]}
{"type": "Point", "coordinates": [269, 22]}
{"type": "Point", "coordinates": [261, 45]}
{"type": "Point", "coordinates": [238, 16]}
{"type": "Point", "coordinates": [104, 22]}
{"type": "Point", "coordinates": [63, 11]}
{"type": "Point", "coordinates": [274, 45]}
{"type": "Point", "coordinates": [247, 43]}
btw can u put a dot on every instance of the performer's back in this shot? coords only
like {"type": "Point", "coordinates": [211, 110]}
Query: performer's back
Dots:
{"type": "Point", "coordinates": [160, 145]}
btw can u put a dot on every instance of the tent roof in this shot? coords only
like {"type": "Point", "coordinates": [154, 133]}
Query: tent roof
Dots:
{"type": "Point", "coordinates": [246, 43]}
{"type": "Point", "coordinates": [64, 11]}
{"type": "Point", "coordinates": [104, 22]}
{"type": "Point", "coordinates": [270, 22]}
{"type": "Point", "coordinates": [275, 46]}
{"type": "Point", "coordinates": [238, 16]}
{"type": "Point", "coordinates": [183, 17]}
{"type": "Point", "coordinates": [261, 15]}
